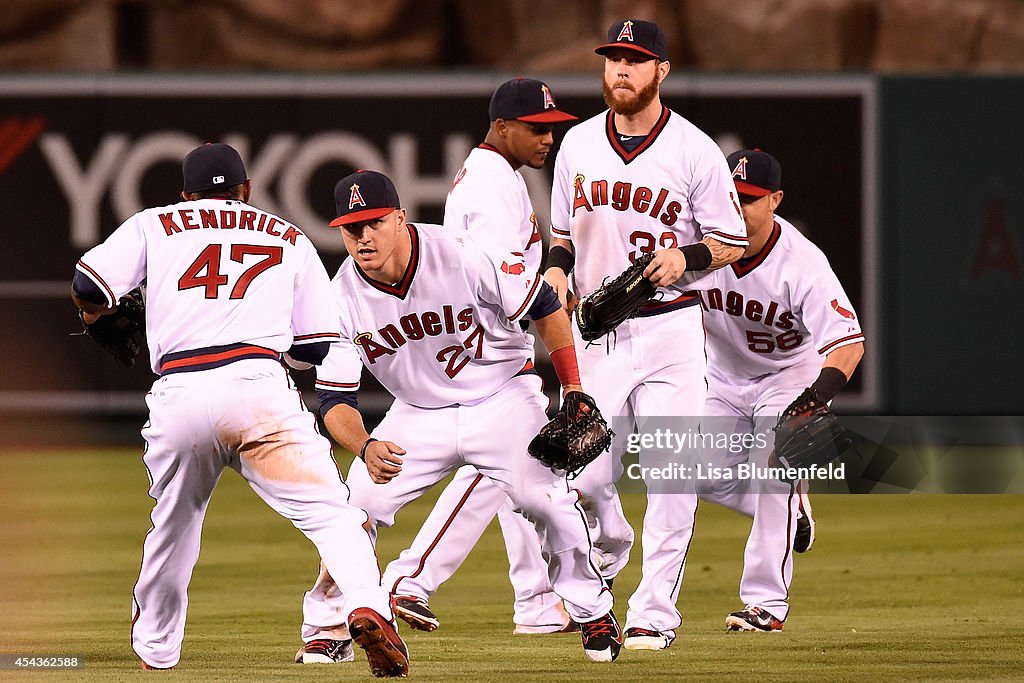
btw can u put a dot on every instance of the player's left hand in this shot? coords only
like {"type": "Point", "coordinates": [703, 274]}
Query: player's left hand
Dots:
{"type": "Point", "coordinates": [383, 461]}
{"type": "Point", "coordinates": [575, 436]}
{"type": "Point", "coordinates": [667, 267]}
{"type": "Point", "coordinates": [121, 330]}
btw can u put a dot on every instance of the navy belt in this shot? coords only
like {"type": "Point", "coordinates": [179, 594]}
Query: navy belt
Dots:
{"type": "Point", "coordinates": [213, 357]}
{"type": "Point", "coordinates": [652, 308]}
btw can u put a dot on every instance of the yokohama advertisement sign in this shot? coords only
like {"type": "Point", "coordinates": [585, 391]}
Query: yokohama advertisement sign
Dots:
{"type": "Point", "coordinates": [79, 155]}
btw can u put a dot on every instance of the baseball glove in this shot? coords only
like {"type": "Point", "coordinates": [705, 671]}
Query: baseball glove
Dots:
{"type": "Point", "coordinates": [604, 309]}
{"type": "Point", "coordinates": [121, 333]}
{"type": "Point", "coordinates": [808, 434]}
{"type": "Point", "coordinates": [574, 437]}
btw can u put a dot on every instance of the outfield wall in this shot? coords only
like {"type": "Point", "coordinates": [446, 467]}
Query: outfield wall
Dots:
{"type": "Point", "coordinates": [861, 157]}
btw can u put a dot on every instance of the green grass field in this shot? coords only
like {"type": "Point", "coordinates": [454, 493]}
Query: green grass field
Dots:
{"type": "Point", "coordinates": [897, 587]}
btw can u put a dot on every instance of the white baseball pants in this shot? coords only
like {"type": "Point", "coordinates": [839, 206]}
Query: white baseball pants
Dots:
{"type": "Point", "coordinates": [457, 521]}
{"type": "Point", "coordinates": [492, 435]}
{"type": "Point", "coordinates": [245, 416]}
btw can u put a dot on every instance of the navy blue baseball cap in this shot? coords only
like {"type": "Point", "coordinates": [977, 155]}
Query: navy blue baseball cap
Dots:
{"type": "Point", "coordinates": [636, 34]}
{"type": "Point", "coordinates": [755, 173]}
{"type": "Point", "coordinates": [364, 196]}
{"type": "Point", "coordinates": [212, 166]}
{"type": "Point", "coordinates": [525, 99]}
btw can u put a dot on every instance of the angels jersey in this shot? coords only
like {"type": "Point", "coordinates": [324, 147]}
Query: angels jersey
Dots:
{"type": "Point", "coordinates": [489, 200]}
{"type": "Point", "coordinates": [777, 309]}
{"type": "Point", "coordinates": [613, 204]}
{"type": "Point", "coordinates": [447, 333]}
{"type": "Point", "coordinates": [218, 273]}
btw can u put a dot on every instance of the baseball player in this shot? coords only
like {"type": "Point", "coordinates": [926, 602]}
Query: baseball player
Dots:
{"type": "Point", "coordinates": [770, 318]}
{"type": "Point", "coordinates": [436, 320]}
{"type": "Point", "coordinates": [489, 204]}
{"type": "Point", "coordinates": [230, 288]}
{"type": "Point", "coordinates": [640, 178]}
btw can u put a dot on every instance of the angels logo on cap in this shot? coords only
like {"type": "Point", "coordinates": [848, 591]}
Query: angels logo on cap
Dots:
{"type": "Point", "coordinates": [355, 199]}
{"type": "Point", "coordinates": [524, 99]}
{"type": "Point", "coordinates": [755, 173]}
{"type": "Point", "coordinates": [364, 196]}
{"type": "Point", "coordinates": [627, 31]}
{"type": "Point", "coordinates": [638, 35]}
{"type": "Point", "coordinates": [741, 169]}
{"type": "Point", "coordinates": [549, 101]}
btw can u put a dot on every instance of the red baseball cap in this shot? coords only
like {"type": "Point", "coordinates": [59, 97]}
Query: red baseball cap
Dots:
{"type": "Point", "coordinates": [755, 173]}
{"type": "Point", "coordinates": [525, 99]}
{"type": "Point", "coordinates": [636, 34]}
{"type": "Point", "coordinates": [363, 196]}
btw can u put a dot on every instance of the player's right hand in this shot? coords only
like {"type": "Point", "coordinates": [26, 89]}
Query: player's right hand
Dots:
{"type": "Point", "coordinates": [383, 461]}
{"type": "Point", "coordinates": [559, 282]}
{"type": "Point", "coordinates": [667, 267]}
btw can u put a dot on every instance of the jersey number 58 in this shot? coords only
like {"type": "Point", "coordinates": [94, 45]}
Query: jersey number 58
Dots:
{"type": "Point", "coordinates": [765, 342]}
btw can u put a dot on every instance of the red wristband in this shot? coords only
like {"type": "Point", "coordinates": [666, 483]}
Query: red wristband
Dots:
{"type": "Point", "coordinates": [564, 360]}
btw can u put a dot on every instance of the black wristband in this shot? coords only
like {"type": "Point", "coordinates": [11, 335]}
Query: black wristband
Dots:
{"type": "Point", "coordinates": [698, 256]}
{"type": "Point", "coordinates": [362, 451]}
{"type": "Point", "coordinates": [560, 257]}
{"type": "Point", "coordinates": [829, 383]}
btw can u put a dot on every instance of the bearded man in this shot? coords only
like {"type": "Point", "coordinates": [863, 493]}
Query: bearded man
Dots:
{"type": "Point", "coordinates": [635, 179]}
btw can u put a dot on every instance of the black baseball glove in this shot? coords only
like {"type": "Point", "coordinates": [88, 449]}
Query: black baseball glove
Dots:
{"type": "Point", "coordinates": [123, 332]}
{"type": "Point", "coordinates": [604, 309]}
{"type": "Point", "coordinates": [574, 437]}
{"type": "Point", "coordinates": [808, 434]}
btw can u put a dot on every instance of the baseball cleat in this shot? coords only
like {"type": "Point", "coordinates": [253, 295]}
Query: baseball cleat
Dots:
{"type": "Point", "coordinates": [752, 619]}
{"type": "Point", "coordinates": [804, 540]}
{"type": "Point", "coordinates": [150, 667]}
{"type": "Point", "coordinates": [325, 651]}
{"type": "Point", "coordinates": [414, 611]}
{"type": "Point", "coordinates": [602, 638]}
{"type": "Point", "coordinates": [385, 650]}
{"type": "Point", "coordinates": [646, 639]}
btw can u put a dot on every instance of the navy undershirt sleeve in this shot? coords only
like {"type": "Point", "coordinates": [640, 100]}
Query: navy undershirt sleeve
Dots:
{"type": "Point", "coordinates": [329, 399]}
{"type": "Point", "coordinates": [87, 290]}
{"type": "Point", "coordinates": [313, 353]}
{"type": "Point", "coordinates": [544, 304]}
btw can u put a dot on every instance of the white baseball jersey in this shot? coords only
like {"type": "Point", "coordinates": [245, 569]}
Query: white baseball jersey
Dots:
{"type": "Point", "coordinates": [614, 204]}
{"type": "Point", "coordinates": [770, 318]}
{"type": "Point", "coordinates": [672, 190]}
{"type": "Point", "coordinates": [489, 199]}
{"type": "Point", "coordinates": [490, 205]}
{"type": "Point", "coordinates": [218, 273]}
{"type": "Point", "coordinates": [781, 308]}
{"type": "Point", "coordinates": [228, 282]}
{"type": "Point", "coordinates": [445, 341]}
{"type": "Point", "coordinates": [434, 338]}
